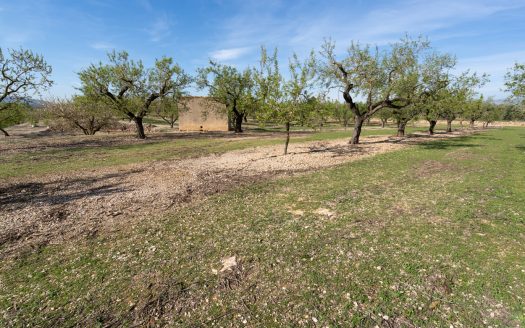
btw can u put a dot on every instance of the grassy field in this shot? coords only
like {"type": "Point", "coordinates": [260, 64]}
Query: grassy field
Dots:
{"type": "Point", "coordinates": [429, 236]}
{"type": "Point", "coordinates": [73, 158]}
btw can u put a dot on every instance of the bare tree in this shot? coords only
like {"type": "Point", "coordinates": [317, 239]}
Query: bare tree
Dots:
{"type": "Point", "coordinates": [168, 108]}
{"type": "Point", "coordinates": [87, 115]}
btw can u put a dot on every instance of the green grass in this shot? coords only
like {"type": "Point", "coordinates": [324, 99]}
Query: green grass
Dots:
{"type": "Point", "coordinates": [74, 158]}
{"type": "Point", "coordinates": [430, 236]}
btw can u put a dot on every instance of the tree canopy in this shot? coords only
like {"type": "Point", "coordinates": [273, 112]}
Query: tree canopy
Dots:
{"type": "Point", "coordinates": [23, 74]}
{"type": "Point", "coordinates": [231, 87]}
{"type": "Point", "coordinates": [384, 78]}
{"type": "Point", "coordinates": [515, 81]}
{"type": "Point", "coordinates": [129, 87]}
{"type": "Point", "coordinates": [285, 100]}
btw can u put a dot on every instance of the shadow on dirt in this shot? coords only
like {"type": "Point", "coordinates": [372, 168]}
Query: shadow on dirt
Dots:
{"type": "Point", "coordinates": [340, 150]}
{"type": "Point", "coordinates": [59, 192]}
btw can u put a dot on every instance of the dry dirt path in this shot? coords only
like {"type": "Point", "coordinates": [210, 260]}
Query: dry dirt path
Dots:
{"type": "Point", "coordinates": [81, 204]}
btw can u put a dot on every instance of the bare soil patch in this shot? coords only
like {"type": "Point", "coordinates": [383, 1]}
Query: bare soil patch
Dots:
{"type": "Point", "coordinates": [430, 168]}
{"type": "Point", "coordinates": [24, 138]}
{"type": "Point", "coordinates": [57, 207]}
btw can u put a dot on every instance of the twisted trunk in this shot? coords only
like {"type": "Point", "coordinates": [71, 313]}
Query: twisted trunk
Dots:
{"type": "Point", "coordinates": [358, 125]}
{"type": "Point", "coordinates": [238, 122]}
{"type": "Point", "coordinates": [449, 126]}
{"type": "Point", "coordinates": [140, 127]}
{"type": "Point", "coordinates": [238, 118]}
{"type": "Point", "coordinates": [431, 127]}
{"type": "Point", "coordinates": [401, 125]}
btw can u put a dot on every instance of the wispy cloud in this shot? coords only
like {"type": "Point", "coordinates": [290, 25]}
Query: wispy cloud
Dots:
{"type": "Point", "coordinates": [496, 65]}
{"type": "Point", "coordinates": [427, 16]}
{"type": "Point", "coordinates": [160, 29]}
{"type": "Point", "coordinates": [229, 54]}
{"type": "Point", "coordinates": [16, 38]}
{"type": "Point", "coordinates": [102, 45]}
{"type": "Point", "coordinates": [100, 3]}
{"type": "Point", "coordinates": [145, 4]}
{"type": "Point", "coordinates": [256, 24]}
{"type": "Point", "coordinates": [386, 23]}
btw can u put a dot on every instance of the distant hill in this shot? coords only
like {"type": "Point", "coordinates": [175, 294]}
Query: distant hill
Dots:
{"type": "Point", "coordinates": [34, 103]}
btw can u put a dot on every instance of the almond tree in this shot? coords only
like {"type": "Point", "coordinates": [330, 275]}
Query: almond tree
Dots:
{"type": "Point", "coordinates": [15, 113]}
{"type": "Point", "coordinates": [285, 100]}
{"type": "Point", "coordinates": [85, 114]}
{"type": "Point", "coordinates": [230, 87]}
{"type": "Point", "coordinates": [130, 88]}
{"type": "Point", "coordinates": [433, 74]}
{"type": "Point", "coordinates": [168, 108]}
{"type": "Point", "coordinates": [341, 113]}
{"type": "Point", "coordinates": [382, 78]}
{"type": "Point", "coordinates": [451, 102]}
{"type": "Point", "coordinates": [473, 110]}
{"type": "Point", "coordinates": [384, 115]}
{"type": "Point", "coordinates": [490, 112]}
{"type": "Point", "coordinates": [515, 81]}
{"type": "Point", "coordinates": [22, 74]}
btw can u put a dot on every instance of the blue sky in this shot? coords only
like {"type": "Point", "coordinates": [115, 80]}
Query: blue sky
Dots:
{"type": "Point", "coordinates": [486, 36]}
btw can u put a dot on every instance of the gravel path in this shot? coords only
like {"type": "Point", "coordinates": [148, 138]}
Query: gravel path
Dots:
{"type": "Point", "coordinates": [82, 204]}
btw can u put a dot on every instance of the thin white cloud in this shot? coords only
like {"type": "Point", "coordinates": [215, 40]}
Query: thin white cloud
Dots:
{"type": "Point", "coordinates": [102, 45]}
{"type": "Point", "coordinates": [282, 25]}
{"type": "Point", "coordinates": [427, 16]}
{"type": "Point", "coordinates": [16, 38]}
{"type": "Point", "coordinates": [229, 54]}
{"type": "Point", "coordinates": [100, 3]}
{"type": "Point", "coordinates": [387, 23]}
{"type": "Point", "coordinates": [145, 4]}
{"type": "Point", "coordinates": [496, 65]}
{"type": "Point", "coordinates": [160, 29]}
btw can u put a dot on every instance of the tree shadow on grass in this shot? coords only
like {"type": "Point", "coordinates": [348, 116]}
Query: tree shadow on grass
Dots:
{"type": "Point", "coordinates": [460, 142]}
{"type": "Point", "coordinates": [18, 195]}
{"type": "Point", "coordinates": [520, 148]}
{"type": "Point", "coordinates": [487, 137]}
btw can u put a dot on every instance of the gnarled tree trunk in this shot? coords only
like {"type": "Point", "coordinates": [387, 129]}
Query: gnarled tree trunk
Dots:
{"type": "Point", "coordinates": [358, 125]}
{"type": "Point", "coordinates": [432, 125]}
{"type": "Point", "coordinates": [140, 127]}
{"type": "Point", "coordinates": [238, 118]}
{"type": "Point", "coordinates": [383, 123]}
{"type": "Point", "coordinates": [401, 125]}
{"type": "Point", "coordinates": [449, 126]}
{"type": "Point", "coordinates": [238, 122]}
